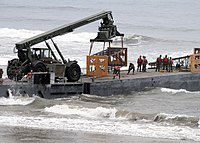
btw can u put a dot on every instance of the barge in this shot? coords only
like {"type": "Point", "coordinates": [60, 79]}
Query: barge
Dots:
{"type": "Point", "coordinates": [105, 86]}
{"type": "Point", "coordinates": [49, 77]}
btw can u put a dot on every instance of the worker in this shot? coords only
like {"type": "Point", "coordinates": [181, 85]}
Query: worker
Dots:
{"type": "Point", "coordinates": [131, 67]}
{"type": "Point", "coordinates": [1, 73]}
{"type": "Point", "coordinates": [178, 66]}
{"type": "Point", "coordinates": [170, 64]}
{"type": "Point", "coordinates": [139, 63]}
{"type": "Point", "coordinates": [144, 64]}
{"type": "Point", "coordinates": [165, 63]}
{"type": "Point", "coordinates": [158, 63]}
{"type": "Point", "coordinates": [116, 72]}
{"type": "Point", "coordinates": [29, 75]}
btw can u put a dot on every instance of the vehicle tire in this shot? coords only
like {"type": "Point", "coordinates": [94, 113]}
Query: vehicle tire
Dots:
{"type": "Point", "coordinates": [39, 67]}
{"type": "Point", "coordinates": [13, 70]}
{"type": "Point", "coordinates": [72, 71]}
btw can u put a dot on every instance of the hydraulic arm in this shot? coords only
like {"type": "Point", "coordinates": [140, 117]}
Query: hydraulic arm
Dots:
{"type": "Point", "coordinates": [106, 26]}
{"type": "Point", "coordinates": [29, 59]}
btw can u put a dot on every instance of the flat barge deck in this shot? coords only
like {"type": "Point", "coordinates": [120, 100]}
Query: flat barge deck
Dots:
{"type": "Point", "coordinates": [105, 86]}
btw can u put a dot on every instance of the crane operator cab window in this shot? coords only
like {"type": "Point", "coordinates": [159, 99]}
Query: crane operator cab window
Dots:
{"type": "Point", "coordinates": [41, 53]}
{"type": "Point", "coordinates": [46, 53]}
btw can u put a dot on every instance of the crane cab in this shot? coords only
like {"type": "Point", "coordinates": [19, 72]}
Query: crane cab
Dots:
{"type": "Point", "coordinates": [43, 54]}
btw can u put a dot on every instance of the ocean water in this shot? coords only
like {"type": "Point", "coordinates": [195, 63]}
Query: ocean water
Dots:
{"type": "Point", "coordinates": [151, 28]}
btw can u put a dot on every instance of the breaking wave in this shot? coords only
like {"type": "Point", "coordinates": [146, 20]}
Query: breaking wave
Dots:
{"type": "Point", "coordinates": [18, 33]}
{"type": "Point", "coordinates": [102, 127]}
{"type": "Point", "coordinates": [71, 37]}
{"type": "Point", "coordinates": [109, 121]}
{"type": "Point", "coordinates": [174, 91]}
{"type": "Point", "coordinates": [23, 34]}
{"type": "Point", "coordinates": [113, 113]}
{"type": "Point", "coordinates": [162, 118]}
{"type": "Point", "coordinates": [98, 99]}
{"type": "Point", "coordinates": [180, 120]}
{"type": "Point", "coordinates": [98, 112]}
{"type": "Point", "coordinates": [135, 40]}
{"type": "Point", "coordinates": [16, 98]}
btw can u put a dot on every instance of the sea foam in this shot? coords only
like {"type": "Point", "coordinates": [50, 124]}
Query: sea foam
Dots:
{"type": "Point", "coordinates": [24, 34]}
{"type": "Point", "coordinates": [99, 112]}
{"type": "Point", "coordinates": [16, 99]}
{"type": "Point", "coordinates": [174, 91]}
{"type": "Point", "coordinates": [103, 127]}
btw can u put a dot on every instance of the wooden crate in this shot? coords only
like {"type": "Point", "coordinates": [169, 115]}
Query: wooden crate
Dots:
{"type": "Point", "coordinates": [195, 62]}
{"type": "Point", "coordinates": [117, 56]}
{"type": "Point", "coordinates": [97, 66]}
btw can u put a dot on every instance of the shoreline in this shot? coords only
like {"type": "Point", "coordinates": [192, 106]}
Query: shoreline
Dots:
{"type": "Point", "coordinates": [34, 135]}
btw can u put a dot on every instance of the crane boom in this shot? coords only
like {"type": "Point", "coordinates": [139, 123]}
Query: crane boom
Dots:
{"type": "Point", "coordinates": [105, 15]}
{"type": "Point", "coordinates": [44, 59]}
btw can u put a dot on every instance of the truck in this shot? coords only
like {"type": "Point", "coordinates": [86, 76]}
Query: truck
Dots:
{"type": "Point", "coordinates": [34, 59]}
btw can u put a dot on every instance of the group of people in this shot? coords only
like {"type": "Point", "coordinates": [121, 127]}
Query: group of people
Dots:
{"type": "Point", "coordinates": [165, 63]}
{"type": "Point", "coordinates": [142, 64]}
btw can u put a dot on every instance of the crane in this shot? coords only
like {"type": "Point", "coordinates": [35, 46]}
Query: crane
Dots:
{"type": "Point", "coordinates": [44, 59]}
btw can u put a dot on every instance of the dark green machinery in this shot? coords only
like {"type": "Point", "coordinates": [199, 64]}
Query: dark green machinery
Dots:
{"type": "Point", "coordinates": [44, 59]}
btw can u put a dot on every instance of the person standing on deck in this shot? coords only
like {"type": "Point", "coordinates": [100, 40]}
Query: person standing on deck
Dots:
{"type": "Point", "coordinates": [165, 63]}
{"type": "Point", "coordinates": [158, 63]}
{"type": "Point", "coordinates": [170, 64]}
{"type": "Point", "coordinates": [144, 64]}
{"type": "Point", "coordinates": [139, 63]}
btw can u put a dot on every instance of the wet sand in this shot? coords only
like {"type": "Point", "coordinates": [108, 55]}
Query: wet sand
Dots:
{"type": "Point", "coordinates": [30, 135]}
